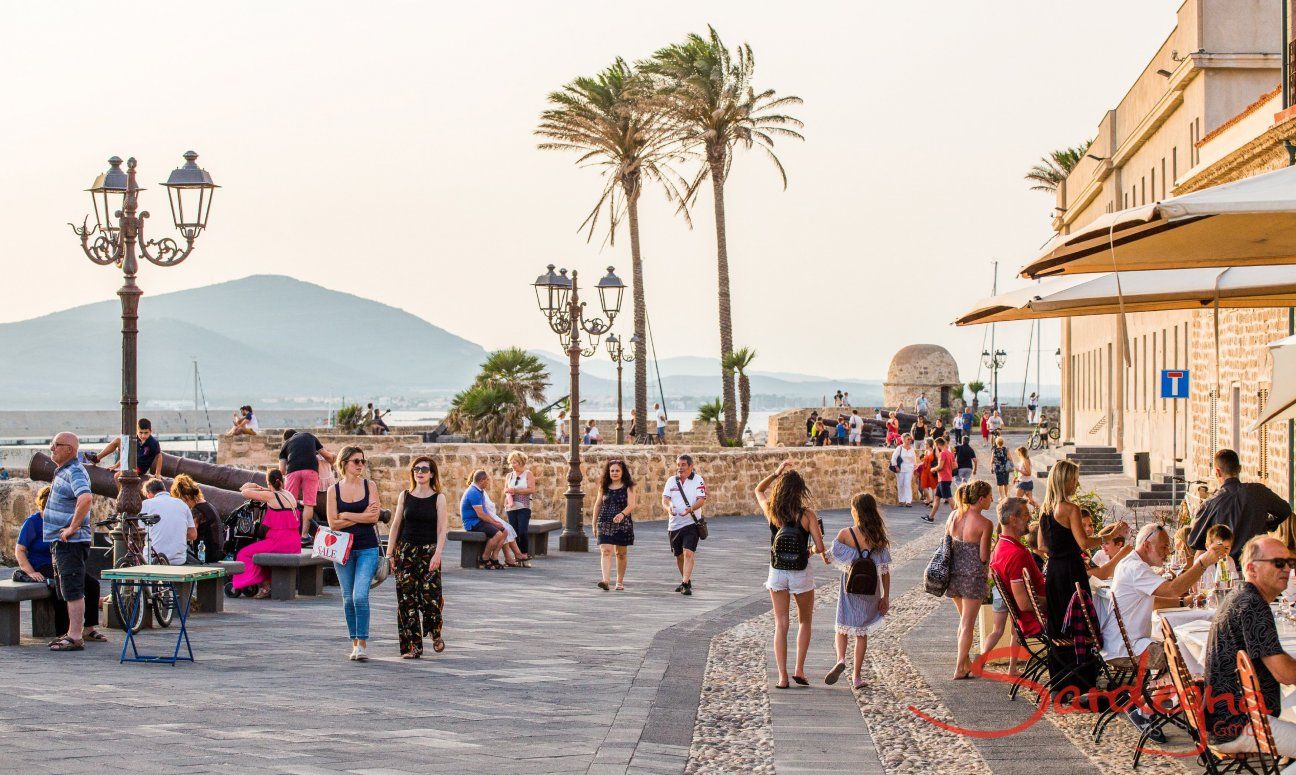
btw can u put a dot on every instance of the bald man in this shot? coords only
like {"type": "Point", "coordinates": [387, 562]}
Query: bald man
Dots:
{"type": "Point", "coordinates": [67, 532]}
{"type": "Point", "coordinates": [1244, 622]}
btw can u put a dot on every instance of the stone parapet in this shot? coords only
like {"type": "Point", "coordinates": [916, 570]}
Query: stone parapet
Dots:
{"type": "Point", "coordinates": [18, 501]}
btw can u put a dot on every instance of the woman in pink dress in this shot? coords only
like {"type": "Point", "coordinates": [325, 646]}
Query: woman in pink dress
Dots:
{"type": "Point", "coordinates": [283, 534]}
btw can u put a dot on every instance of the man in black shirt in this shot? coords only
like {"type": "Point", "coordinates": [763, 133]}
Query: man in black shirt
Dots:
{"type": "Point", "coordinates": [965, 461]}
{"type": "Point", "coordinates": [300, 465]}
{"type": "Point", "coordinates": [1248, 509]}
{"type": "Point", "coordinates": [1244, 622]}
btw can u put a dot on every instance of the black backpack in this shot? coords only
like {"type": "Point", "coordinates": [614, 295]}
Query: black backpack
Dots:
{"type": "Point", "coordinates": [862, 578]}
{"type": "Point", "coordinates": [791, 548]}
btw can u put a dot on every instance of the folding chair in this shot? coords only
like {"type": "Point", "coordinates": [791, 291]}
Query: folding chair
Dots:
{"type": "Point", "coordinates": [1189, 694]}
{"type": "Point", "coordinates": [1269, 760]}
{"type": "Point", "coordinates": [1035, 645]}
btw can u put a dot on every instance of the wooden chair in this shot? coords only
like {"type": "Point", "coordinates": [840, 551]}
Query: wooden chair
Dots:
{"type": "Point", "coordinates": [1035, 646]}
{"type": "Point", "coordinates": [1189, 695]}
{"type": "Point", "coordinates": [1061, 651]}
{"type": "Point", "coordinates": [1269, 760]}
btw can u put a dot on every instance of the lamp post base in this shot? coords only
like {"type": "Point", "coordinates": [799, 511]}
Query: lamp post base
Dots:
{"type": "Point", "coordinates": [573, 537]}
{"type": "Point", "coordinates": [573, 542]}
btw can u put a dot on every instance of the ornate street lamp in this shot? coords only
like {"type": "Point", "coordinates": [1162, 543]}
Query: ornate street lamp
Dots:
{"type": "Point", "coordinates": [621, 356]}
{"type": "Point", "coordinates": [994, 363]}
{"type": "Point", "coordinates": [116, 238]}
{"type": "Point", "coordinates": [558, 297]}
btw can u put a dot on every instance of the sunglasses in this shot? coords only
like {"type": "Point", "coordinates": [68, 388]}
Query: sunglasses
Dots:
{"type": "Point", "coordinates": [422, 469]}
{"type": "Point", "coordinates": [1282, 563]}
{"type": "Point", "coordinates": [359, 460]}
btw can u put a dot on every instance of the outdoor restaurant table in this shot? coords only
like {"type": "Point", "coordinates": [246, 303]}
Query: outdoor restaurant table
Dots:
{"type": "Point", "coordinates": [137, 578]}
{"type": "Point", "coordinates": [1193, 633]}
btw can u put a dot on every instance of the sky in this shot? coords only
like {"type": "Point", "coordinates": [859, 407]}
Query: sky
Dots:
{"type": "Point", "coordinates": [386, 149]}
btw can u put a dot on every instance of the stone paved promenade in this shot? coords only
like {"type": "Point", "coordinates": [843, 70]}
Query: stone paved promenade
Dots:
{"type": "Point", "coordinates": [543, 673]}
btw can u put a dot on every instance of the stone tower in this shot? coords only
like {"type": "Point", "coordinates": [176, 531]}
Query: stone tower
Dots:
{"type": "Point", "coordinates": [919, 369]}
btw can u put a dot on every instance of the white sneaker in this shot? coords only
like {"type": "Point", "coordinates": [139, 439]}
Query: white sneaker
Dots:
{"type": "Point", "coordinates": [360, 655]}
{"type": "Point", "coordinates": [355, 651]}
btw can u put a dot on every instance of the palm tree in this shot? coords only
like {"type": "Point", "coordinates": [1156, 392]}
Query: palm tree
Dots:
{"type": "Point", "coordinates": [710, 93]}
{"type": "Point", "coordinates": [615, 122]}
{"type": "Point", "coordinates": [1054, 168]}
{"type": "Point", "coordinates": [713, 412]}
{"type": "Point", "coordinates": [976, 386]}
{"type": "Point", "coordinates": [738, 361]}
{"type": "Point", "coordinates": [489, 413]}
{"type": "Point", "coordinates": [518, 371]}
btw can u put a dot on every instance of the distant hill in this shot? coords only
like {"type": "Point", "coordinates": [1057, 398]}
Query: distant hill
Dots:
{"type": "Point", "coordinates": [247, 335]}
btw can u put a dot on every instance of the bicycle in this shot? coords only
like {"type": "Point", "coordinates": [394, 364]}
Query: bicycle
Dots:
{"type": "Point", "coordinates": [139, 551]}
{"type": "Point", "coordinates": [1043, 435]}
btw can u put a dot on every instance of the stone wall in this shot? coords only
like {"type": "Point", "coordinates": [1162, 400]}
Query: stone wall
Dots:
{"type": "Point", "coordinates": [262, 451]}
{"type": "Point", "coordinates": [18, 500]}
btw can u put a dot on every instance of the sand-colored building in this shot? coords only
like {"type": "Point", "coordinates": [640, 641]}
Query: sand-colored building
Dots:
{"type": "Point", "coordinates": [1205, 110]}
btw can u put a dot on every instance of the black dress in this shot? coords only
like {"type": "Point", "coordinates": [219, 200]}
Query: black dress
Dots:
{"type": "Point", "coordinates": [615, 533]}
{"type": "Point", "coordinates": [1066, 566]}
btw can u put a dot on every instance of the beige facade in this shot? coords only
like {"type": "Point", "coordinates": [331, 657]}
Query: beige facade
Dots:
{"type": "Point", "coordinates": [1207, 93]}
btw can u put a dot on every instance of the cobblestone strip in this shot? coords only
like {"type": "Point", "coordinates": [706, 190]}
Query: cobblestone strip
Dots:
{"type": "Point", "coordinates": [733, 732]}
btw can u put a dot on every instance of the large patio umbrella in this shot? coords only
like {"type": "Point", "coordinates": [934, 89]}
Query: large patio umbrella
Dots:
{"type": "Point", "coordinates": [1230, 287]}
{"type": "Point", "coordinates": [1248, 222]}
{"type": "Point", "coordinates": [1282, 397]}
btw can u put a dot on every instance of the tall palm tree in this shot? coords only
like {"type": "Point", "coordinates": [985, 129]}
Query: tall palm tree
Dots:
{"type": "Point", "coordinates": [616, 123]}
{"type": "Point", "coordinates": [711, 95]}
{"type": "Point", "coordinates": [1054, 168]}
{"type": "Point", "coordinates": [738, 362]}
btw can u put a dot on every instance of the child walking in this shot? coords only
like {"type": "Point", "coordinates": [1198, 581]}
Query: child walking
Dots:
{"type": "Point", "coordinates": [860, 614]}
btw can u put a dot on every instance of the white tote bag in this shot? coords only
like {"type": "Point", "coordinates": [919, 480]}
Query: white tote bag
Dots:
{"type": "Point", "coordinates": [332, 545]}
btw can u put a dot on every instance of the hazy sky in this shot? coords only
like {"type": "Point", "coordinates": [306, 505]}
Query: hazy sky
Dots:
{"type": "Point", "coordinates": [386, 149]}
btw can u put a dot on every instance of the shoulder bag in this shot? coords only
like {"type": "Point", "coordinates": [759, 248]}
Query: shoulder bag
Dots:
{"type": "Point", "coordinates": [699, 521]}
{"type": "Point", "coordinates": [937, 577]}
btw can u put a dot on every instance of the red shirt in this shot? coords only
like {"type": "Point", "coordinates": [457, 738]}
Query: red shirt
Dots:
{"type": "Point", "coordinates": [946, 471]}
{"type": "Point", "coordinates": [1012, 561]}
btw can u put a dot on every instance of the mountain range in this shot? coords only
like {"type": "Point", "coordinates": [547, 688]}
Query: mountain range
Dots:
{"type": "Point", "coordinates": [237, 332]}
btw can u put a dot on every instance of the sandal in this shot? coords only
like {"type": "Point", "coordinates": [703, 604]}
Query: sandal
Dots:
{"type": "Point", "coordinates": [619, 587]}
{"type": "Point", "coordinates": [603, 585]}
{"type": "Point", "coordinates": [261, 595]}
{"type": "Point", "coordinates": [67, 644]}
{"type": "Point", "coordinates": [438, 645]}
{"type": "Point", "coordinates": [95, 636]}
{"type": "Point", "coordinates": [415, 654]}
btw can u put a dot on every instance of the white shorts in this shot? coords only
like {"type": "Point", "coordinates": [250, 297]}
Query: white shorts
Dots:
{"type": "Point", "coordinates": [794, 581]}
{"type": "Point", "coordinates": [855, 437]}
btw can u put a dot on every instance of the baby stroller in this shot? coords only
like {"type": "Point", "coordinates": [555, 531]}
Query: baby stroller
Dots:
{"type": "Point", "coordinates": [243, 527]}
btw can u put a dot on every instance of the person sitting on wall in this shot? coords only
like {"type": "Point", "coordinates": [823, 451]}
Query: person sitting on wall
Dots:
{"type": "Point", "coordinates": [148, 459]}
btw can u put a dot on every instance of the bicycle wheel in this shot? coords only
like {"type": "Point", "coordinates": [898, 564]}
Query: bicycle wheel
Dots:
{"type": "Point", "coordinates": [1055, 433]}
{"type": "Point", "coordinates": [162, 598]}
{"type": "Point", "coordinates": [1034, 442]}
{"type": "Point", "coordinates": [123, 599]}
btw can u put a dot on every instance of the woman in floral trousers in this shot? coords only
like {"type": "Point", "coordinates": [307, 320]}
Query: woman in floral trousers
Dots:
{"type": "Point", "coordinates": [418, 534]}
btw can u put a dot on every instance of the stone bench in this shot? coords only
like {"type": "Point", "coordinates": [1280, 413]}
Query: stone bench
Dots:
{"type": "Point", "coordinates": [210, 596]}
{"type": "Point", "coordinates": [471, 543]}
{"type": "Point", "coordinates": [12, 595]}
{"type": "Point", "coordinates": [293, 574]}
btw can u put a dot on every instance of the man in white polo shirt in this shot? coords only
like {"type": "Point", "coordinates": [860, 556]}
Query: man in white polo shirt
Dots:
{"type": "Point", "coordinates": [683, 498]}
{"type": "Point", "coordinates": [1138, 589]}
{"type": "Point", "coordinates": [170, 537]}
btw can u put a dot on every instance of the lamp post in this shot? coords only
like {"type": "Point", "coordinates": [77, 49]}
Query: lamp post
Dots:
{"type": "Point", "coordinates": [120, 227]}
{"type": "Point", "coordinates": [559, 298]}
{"type": "Point", "coordinates": [620, 356]}
{"type": "Point", "coordinates": [994, 363]}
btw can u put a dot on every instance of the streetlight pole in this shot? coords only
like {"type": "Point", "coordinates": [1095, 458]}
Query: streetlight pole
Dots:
{"type": "Point", "coordinates": [120, 227]}
{"type": "Point", "coordinates": [994, 362]}
{"type": "Point", "coordinates": [620, 356]}
{"type": "Point", "coordinates": [559, 298]}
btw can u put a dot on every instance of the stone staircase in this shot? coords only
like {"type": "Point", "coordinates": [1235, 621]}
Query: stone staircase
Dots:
{"type": "Point", "coordinates": [1097, 460]}
{"type": "Point", "coordinates": [1163, 491]}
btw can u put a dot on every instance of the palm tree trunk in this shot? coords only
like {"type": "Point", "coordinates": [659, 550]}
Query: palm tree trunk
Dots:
{"type": "Point", "coordinates": [640, 314]}
{"type": "Point", "coordinates": [726, 317]}
{"type": "Point", "coordinates": [744, 398]}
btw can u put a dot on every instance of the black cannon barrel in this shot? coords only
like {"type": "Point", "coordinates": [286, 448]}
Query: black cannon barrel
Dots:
{"type": "Point", "coordinates": [224, 477]}
{"type": "Point", "coordinates": [102, 483]}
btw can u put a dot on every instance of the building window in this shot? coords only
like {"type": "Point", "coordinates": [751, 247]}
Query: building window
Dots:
{"type": "Point", "coordinates": [1262, 399]}
{"type": "Point", "coordinates": [1154, 196]}
{"type": "Point", "coordinates": [1235, 417]}
{"type": "Point", "coordinates": [1143, 190]}
{"type": "Point", "coordinates": [1174, 162]}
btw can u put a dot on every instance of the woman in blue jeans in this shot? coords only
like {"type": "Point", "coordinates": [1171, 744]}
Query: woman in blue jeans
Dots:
{"type": "Point", "coordinates": [353, 507]}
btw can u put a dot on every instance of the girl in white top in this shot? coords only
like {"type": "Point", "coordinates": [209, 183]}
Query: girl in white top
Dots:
{"type": "Point", "coordinates": [905, 459]}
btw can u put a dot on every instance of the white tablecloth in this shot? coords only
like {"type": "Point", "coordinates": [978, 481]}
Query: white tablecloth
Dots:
{"type": "Point", "coordinates": [1192, 633]}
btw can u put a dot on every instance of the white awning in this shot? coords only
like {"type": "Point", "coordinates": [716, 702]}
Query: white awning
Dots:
{"type": "Point", "coordinates": [1282, 393]}
{"type": "Point", "coordinates": [1248, 222]}
{"type": "Point", "coordinates": [1246, 286]}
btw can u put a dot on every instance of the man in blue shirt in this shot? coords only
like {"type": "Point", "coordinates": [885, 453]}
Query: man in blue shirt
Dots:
{"type": "Point", "coordinates": [969, 421]}
{"type": "Point", "coordinates": [472, 510]}
{"type": "Point", "coordinates": [68, 534]}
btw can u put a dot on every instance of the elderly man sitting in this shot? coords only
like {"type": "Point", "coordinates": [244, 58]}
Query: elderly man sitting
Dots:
{"type": "Point", "coordinates": [1137, 589]}
{"type": "Point", "coordinates": [1244, 622]}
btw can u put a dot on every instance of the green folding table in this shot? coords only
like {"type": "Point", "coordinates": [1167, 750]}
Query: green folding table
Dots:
{"type": "Point", "coordinates": [137, 578]}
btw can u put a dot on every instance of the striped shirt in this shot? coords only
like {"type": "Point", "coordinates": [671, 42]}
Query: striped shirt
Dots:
{"type": "Point", "coordinates": [71, 481]}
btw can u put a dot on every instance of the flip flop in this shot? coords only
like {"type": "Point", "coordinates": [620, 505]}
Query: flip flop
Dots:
{"type": "Point", "coordinates": [619, 587]}
{"type": "Point", "coordinates": [835, 673]}
{"type": "Point", "coordinates": [438, 645]}
{"type": "Point", "coordinates": [800, 680]}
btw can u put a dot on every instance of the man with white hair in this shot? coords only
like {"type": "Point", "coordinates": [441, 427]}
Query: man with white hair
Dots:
{"type": "Point", "coordinates": [1138, 589]}
{"type": "Point", "coordinates": [1244, 622]}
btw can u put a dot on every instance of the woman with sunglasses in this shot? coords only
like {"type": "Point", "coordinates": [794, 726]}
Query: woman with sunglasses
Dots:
{"type": "Point", "coordinates": [418, 534]}
{"type": "Point", "coordinates": [614, 504]}
{"type": "Point", "coordinates": [353, 507]}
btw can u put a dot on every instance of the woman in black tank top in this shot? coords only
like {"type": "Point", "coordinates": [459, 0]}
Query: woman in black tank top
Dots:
{"type": "Point", "coordinates": [418, 535]}
{"type": "Point", "coordinates": [793, 524]}
{"type": "Point", "coordinates": [352, 507]}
